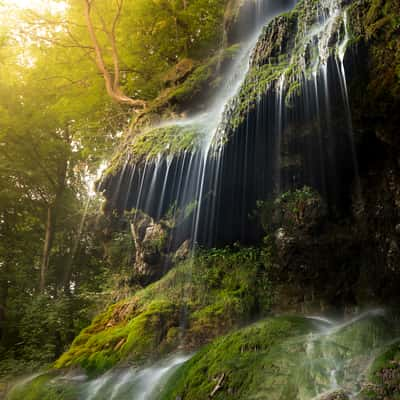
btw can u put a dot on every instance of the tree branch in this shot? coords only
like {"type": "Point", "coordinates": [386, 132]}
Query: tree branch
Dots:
{"type": "Point", "coordinates": [112, 85]}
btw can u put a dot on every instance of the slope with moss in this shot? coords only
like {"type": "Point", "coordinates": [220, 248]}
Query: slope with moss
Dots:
{"type": "Point", "coordinates": [198, 300]}
{"type": "Point", "coordinates": [283, 358]}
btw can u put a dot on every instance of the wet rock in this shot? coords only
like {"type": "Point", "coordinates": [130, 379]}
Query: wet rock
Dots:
{"type": "Point", "coordinates": [336, 395]}
{"type": "Point", "coordinates": [150, 242]}
{"type": "Point", "coordinates": [183, 252]}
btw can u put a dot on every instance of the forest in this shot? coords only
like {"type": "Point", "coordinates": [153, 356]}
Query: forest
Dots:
{"type": "Point", "coordinates": [199, 199]}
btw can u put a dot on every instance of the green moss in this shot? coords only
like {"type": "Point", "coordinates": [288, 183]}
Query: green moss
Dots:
{"type": "Point", "coordinates": [387, 359]}
{"type": "Point", "coordinates": [43, 387]}
{"type": "Point", "coordinates": [257, 81]}
{"type": "Point", "coordinates": [169, 140]}
{"type": "Point", "coordinates": [217, 289]}
{"type": "Point", "coordinates": [164, 141]}
{"type": "Point", "coordinates": [280, 359]}
{"type": "Point", "coordinates": [241, 362]}
{"type": "Point", "coordinates": [137, 334]}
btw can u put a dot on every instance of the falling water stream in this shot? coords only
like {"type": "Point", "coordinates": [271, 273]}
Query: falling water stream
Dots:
{"type": "Point", "coordinates": [298, 133]}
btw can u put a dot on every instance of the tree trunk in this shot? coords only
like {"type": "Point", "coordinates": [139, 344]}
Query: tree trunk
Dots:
{"type": "Point", "coordinates": [52, 210]}
{"type": "Point", "coordinates": [48, 243]}
{"type": "Point", "coordinates": [3, 304]}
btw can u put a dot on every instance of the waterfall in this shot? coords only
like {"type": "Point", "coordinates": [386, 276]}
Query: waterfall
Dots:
{"type": "Point", "coordinates": [281, 121]}
{"type": "Point", "coordinates": [192, 178]}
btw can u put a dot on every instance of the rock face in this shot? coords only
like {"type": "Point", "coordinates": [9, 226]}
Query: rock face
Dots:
{"type": "Point", "coordinates": [150, 239]}
{"type": "Point", "coordinates": [336, 395]}
{"type": "Point", "coordinates": [351, 256]}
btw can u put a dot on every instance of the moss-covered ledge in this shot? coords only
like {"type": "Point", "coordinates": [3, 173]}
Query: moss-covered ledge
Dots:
{"type": "Point", "coordinates": [169, 140]}
{"type": "Point", "coordinates": [183, 310]}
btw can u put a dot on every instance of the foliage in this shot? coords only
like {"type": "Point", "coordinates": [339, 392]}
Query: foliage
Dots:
{"type": "Point", "coordinates": [294, 209]}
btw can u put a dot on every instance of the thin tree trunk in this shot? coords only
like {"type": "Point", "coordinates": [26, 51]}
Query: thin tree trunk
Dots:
{"type": "Point", "coordinates": [48, 243]}
{"type": "Point", "coordinates": [3, 304]}
{"type": "Point", "coordinates": [52, 210]}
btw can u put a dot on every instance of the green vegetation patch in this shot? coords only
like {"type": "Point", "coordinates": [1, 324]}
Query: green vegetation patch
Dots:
{"type": "Point", "coordinates": [168, 140]}
{"type": "Point", "coordinates": [240, 365]}
{"type": "Point", "coordinates": [384, 375]}
{"type": "Point", "coordinates": [282, 358]}
{"type": "Point", "coordinates": [203, 297]}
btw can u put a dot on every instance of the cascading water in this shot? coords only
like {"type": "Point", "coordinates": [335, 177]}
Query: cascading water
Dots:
{"type": "Point", "coordinates": [281, 121]}
{"type": "Point", "coordinates": [120, 384]}
{"type": "Point", "coordinates": [191, 179]}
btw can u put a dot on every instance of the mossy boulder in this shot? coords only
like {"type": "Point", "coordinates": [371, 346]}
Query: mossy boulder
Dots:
{"type": "Point", "coordinates": [201, 298]}
{"type": "Point", "coordinates": [282, 358]}
{"type": "Point", "coordinates": [383, 380]}
{"type": "Point", "coordinates": [239, 366]}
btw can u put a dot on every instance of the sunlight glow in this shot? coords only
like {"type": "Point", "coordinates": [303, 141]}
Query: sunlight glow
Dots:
{"type": "Point", "coordinates": [52, 6]}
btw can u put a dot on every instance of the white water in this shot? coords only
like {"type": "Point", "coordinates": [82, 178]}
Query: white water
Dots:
{"type": "Point", "coordinates": [332, 363]}
{"type": "Point", "coordinates": [126, 383]}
